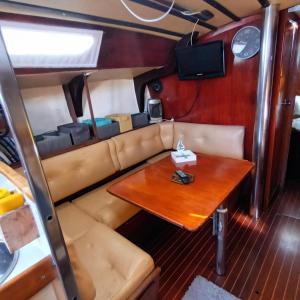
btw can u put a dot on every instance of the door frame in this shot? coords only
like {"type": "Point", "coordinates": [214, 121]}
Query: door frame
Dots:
{"type": "Point", "coordinates": [286, 77]}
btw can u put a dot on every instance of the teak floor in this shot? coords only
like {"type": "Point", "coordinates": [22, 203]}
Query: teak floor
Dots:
{"type": "Point", "coordinates": [263, 259]}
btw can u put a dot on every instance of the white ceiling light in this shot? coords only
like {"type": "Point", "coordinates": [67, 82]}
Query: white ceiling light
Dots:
{"type": "Point", "coordinates": [44, 46]}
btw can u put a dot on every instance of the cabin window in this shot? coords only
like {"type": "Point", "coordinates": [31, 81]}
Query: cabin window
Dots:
{"type": "Point", "coordinates": [44, 46]}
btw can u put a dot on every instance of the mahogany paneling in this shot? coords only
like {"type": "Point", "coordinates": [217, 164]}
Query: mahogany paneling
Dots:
{"type": "Point", "coordinates": [285, 86]}
{"type": "Point", "coordinates": [29, 282]}
{"type": "Point", "coordinates": [229, 100]}
{"type": "Point", "coordinates": [170, 67]}
{"type": "Point", "coordinates": [120, 48]}
{"type": "Point", "coordinates": [178, 97]}
{"type": "Point", "coordinates": [128, 49]}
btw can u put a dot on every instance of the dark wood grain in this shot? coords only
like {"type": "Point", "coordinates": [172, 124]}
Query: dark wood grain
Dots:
{"type": "Point", "coordinates": [169, 68]}
{"type": "Point", "coordinates": [187, 206]}
{"type": "Point", "coordinates": [120, 48]}
{"type": "Point", "coordinates": [229, 100]}
{"type": "Point", "coordinates": [29, 282]}
{"type": "Point", "coordinates": [294, 157]}
{"type": "Point", "coordinates": [263, 256]}
{"type": "Point", "coordinates": [286, 82]}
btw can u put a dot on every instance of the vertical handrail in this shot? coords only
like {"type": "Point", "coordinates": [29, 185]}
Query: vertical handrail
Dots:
{"type": "Point", "coordinates": [90, 104]}
{"type": "Point", "coordinates": [13, 106]}
{"type": "Point", "coordinates": [264, 91]}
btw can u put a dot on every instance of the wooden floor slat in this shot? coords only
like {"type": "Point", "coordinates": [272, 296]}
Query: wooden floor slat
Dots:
{"type": "Point", "coordinates": [263, 259]}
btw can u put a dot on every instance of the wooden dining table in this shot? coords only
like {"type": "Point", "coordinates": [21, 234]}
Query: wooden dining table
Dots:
{"type": "Point", "coordinates": [187, 205]}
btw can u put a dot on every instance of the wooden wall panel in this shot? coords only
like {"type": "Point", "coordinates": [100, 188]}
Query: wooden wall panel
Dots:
{"type": "Point", "coordinates": [128, 49]}
{"type": "Point", "coordinates": [285, 88]}
{"type": "Point", "coordinates": [229, 100]}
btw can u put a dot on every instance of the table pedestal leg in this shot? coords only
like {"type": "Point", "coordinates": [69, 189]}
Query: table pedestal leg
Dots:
{"type": "Point", "coordinates": [222, 216]}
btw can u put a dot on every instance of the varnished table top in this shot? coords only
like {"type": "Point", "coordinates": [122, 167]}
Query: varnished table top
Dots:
{"type": "Point", "coordinates": [187, 206]}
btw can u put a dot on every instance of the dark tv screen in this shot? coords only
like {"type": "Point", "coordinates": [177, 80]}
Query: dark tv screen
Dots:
{"type": "Point", "coordinates": [201, 61]}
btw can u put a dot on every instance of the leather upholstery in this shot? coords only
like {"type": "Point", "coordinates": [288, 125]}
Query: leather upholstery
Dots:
{"type": "Point", "coordinates": [116, 266]}
{"type": "Point", "coordinates": [73, 221]}
{"type": "Point", "coordinates": [47, 293]}
{"type": "Point", "coordinates": [86, 287]}
{"type": "Point", "coordinates": [218, 140]}
{"type": "Point", "coordinates": [167, 134]}
{"type": "Point", "coordinates": [106, 208]}
{"type": "Point", "coordinates": [138, 145]}
{"type": "Point", "coordinates": [113, 154]}
{"type": "Point", "coordinates": [72, 171]}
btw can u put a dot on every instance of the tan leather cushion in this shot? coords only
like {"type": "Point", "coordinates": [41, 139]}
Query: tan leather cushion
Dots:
{"type": "Point", "coordinates": [46, 293]}
{"type": "Point", "coordinates": [73, 221]}
{"type": "Point", "coordinates": [72, 171]}
{"type": "Point", "coordinates": [117, 267]}
{"type": "Point", "coordinates": [106, 208]}
{"type": "Point", "coordinates": [113, 154]}
{"type": "Point", "coordinates": [86, 287]}
{"type": "Point", "coordinates": [219, 140]}
{"type": "Point", "coordinates": [167, 134]}
{"type": "Point", "coordinates": [138, 145]}
{"type": "Point", "coordinates": [158, 157]}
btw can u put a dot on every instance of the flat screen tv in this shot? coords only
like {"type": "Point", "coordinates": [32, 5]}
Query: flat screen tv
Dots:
{"type": "Point", "coordinates": [201, 61]}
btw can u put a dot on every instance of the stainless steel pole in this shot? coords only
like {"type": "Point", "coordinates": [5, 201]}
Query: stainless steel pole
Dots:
{"type": "Point", "coordinates": [264, 92]}
{"type": "Point", "coordinates": [221, 236]}
{"type": "Point", "coordinates": [13, 106]}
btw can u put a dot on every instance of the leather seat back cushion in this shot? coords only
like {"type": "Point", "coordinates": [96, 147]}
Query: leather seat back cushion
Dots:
{"type": "Point", "coordinates": [86, 287]}
{"type": "Point", "coordinates": [73, 221]}
{"type": "Point", "coordinates": [138, 145]}
{"type": "Point", "coordinates": [70, 172]}
{"type": "Point", "coordinates": [218, 140]}
{"type": "Point", "coordinates": [167, 134]}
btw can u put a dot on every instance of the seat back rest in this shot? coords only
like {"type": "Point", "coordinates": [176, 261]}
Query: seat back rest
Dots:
{"type": "Point", "coordinates": [86, 287]}
{"type": "Point", "coordinates": [138, 145]}
{"type": "Point", "coordinates": [222, 140]}
{"type": "Point", "coordinates": [73, 171]}
{"type": "Point", "coordinates": [167, 134]}
{"type": "Point", "coordinates": [113, 153]}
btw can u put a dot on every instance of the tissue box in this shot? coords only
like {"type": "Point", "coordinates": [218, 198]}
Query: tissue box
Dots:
{"type": "Point", "coordinates": [183, 156]}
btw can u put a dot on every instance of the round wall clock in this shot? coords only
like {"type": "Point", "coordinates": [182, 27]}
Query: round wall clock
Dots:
{"type": "Point", "coordinates": [246, 42]}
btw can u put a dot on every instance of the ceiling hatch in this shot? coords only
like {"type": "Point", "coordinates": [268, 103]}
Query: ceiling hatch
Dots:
{"type": "Point", "coordinates": [45, 46]}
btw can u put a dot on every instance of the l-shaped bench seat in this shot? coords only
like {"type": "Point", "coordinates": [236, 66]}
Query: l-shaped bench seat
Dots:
{"type": "Point", "coordinates": [73, 171]}
{"type": "Point", "coordinates": [116, 266]}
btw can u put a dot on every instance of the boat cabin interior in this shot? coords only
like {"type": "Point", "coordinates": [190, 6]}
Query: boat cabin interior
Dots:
{"type": "Point", "coordinates": [149, 149]}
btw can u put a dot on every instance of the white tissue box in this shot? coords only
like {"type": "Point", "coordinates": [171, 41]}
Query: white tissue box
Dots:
{"type": "Point", "coordinates": [183, 156]}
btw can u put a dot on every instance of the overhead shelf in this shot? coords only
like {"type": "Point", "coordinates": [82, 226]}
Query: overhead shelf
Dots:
{"type": "Point", "coordinates": [60, 78]}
